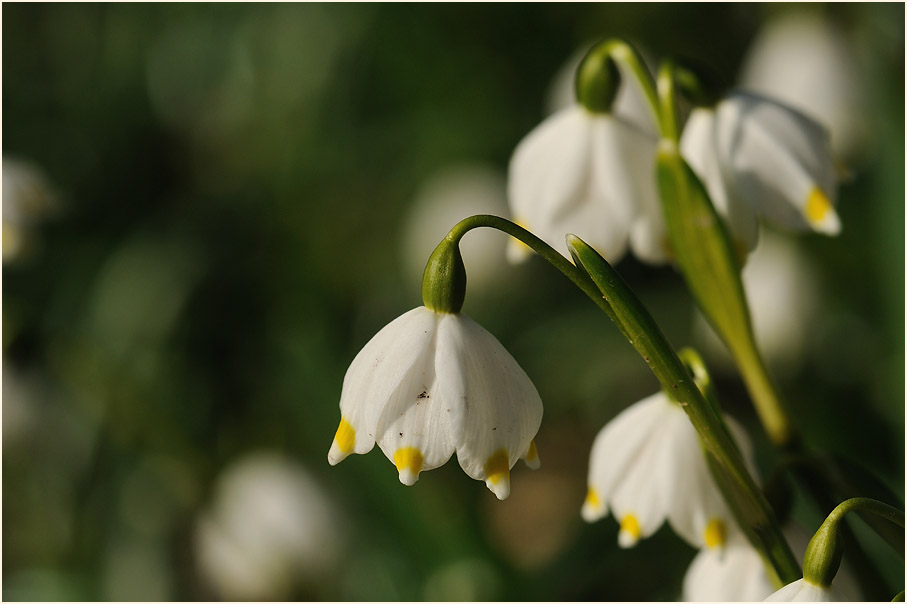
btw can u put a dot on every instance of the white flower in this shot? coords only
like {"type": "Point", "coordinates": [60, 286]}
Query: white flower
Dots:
{"type": "Point", "coordinates": [804, 591]}
{"type": "Point", "coordinates": [431, 383]}
{"type": "Point", "coordinates": [802, 59]}
{"type": "Point", "coordinates": [647, 465]}
{"type": "Point", "coordinates": [592, 174]}
{"type": "Point", "coordinates": [735, 573]}
{"type": "Point", "coordinates": [758, 157]}
{"type": "Point", "coordinates": [269, 528]}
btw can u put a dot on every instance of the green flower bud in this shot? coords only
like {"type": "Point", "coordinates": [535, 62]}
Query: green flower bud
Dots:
{"type": "Point", "coordinates": [597, 79]}
{"type": "Point", "coordinates": [444, 279]}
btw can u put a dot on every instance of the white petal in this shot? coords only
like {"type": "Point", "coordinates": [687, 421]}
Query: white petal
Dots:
{"type": "Point", "coordinates": [614, 449]}
{"type": "Point", "coordinates": [734, 574]}
{"type": "Point", "coordinates": [699, 146]}
{"type": "Point", "coordinates": [778, 158]}
{"type": "Point", "coordinates": [549, 168]}
{"type": "Point", "coordinates": [414, 429]}
{"type": "Point", "coordinates": [804, 591]}
{"type": "Point", "coordinates": [376, 373]}
{"type": "Point", "coordinates": [495, 409]}
{"type": "Point", "coordinates": [802, 59]}
{"type": "Point", "coordinates": [642, 493]}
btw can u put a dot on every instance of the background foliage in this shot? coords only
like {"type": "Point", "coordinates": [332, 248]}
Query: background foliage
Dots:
{"type": "Point", "coordinates": [235, 188]}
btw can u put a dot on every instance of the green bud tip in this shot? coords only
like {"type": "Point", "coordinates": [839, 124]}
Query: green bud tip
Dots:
{"type": "Point", "coordinates": [444, 279]}
{"type": "Point", "coordinates": [597, 79]}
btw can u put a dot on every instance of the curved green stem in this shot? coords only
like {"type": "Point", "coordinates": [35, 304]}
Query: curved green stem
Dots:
{"type": "Point", "coordinates": [626, 55]}
{"type": "Point", "coordinates": [577, 276]}
{"type": "Point", "coordinates": [826, 548]}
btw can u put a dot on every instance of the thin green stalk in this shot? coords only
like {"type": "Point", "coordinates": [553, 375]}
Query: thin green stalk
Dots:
{"type": "Point", "coordinates": [626, 55]}
{"type": "Point", "coordinates": [552, 256]}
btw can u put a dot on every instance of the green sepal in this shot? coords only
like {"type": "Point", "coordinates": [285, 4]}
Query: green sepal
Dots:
{"type": "Point", "coordinates": [597, 79]}
{"type": "Point", "coordinates": [444, 279]}
{"type": "Point", "coordinates": [823, 554]}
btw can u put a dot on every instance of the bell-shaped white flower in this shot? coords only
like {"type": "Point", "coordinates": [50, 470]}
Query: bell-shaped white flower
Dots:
{"type": "Point", "coordinates": [431, 383]}
{"type": "Point", "coordinates": [802, 590]}
{"type": "Point", "coordinates": [647, 465]}
{"type": "Point", "coordinates": [803, 59]}
{"type": "Point", "coordinates": [592, 174]}
{"type": "Point", "coordinates": [758, 157]}
{"type": "Point", "coordinates": [735, 573]}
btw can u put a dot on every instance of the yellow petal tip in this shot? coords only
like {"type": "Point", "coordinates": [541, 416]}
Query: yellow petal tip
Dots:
{"type": "Point", "coordinates": [821, 214]}
{"type": "Point", "coordinates": [531, 459]}
{"type": "Point", "coordinates": [715, 533]}
{"type": "Point", "coordinates": [409, 462]}
{"type": "Point", "coordinates": [497, 473]}
{"type": "Point", "coordinates": [629, 531]}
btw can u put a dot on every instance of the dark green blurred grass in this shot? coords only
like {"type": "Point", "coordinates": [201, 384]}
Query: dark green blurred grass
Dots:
{"type": "Point", "coordinates": [233, 180]}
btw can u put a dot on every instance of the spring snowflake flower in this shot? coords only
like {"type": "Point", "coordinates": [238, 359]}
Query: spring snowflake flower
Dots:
{"type": "Point", "coordinates": [802, 590]}
{"type": "Point", "coordinates": [803, 59]}
{"type": "Point", "coordinates": [735, 573]}
{"type": "Point", "coordinates": [592, 174]}
{"type": "Point", "coordinates": [758, 157]}
{"type": "Point", "coordinates": [431, 383]}
{"type": "Point", "coordinates": [647, 465]}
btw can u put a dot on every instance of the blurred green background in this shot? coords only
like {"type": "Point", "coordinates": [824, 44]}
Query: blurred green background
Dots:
{"type": "Point", "coordinates": [226, 211]}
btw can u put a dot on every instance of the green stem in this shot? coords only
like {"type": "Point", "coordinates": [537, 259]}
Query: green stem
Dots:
{"type": "Point", "coordinates": [577, 276]}
{"type": "Point", "coordinates": [825, 549]}
{"type": "Point", "coordinates": [626, 55]}
{"type": "Point", "coordinates": [763, 391]}
{"type": "Point", "coordinates": [666, 101]}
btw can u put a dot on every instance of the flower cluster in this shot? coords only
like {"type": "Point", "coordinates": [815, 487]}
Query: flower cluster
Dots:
{"type": "Point", "coordinates": [590, 171]}
{"type": "Point", "coordinates": [433, 382]}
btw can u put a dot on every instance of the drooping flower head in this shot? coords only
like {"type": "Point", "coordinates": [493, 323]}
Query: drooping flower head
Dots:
{"type": "Point", "coordinates": [758, 157]}
{"type": "Point", "coordinates": [647, 466]}
{"type": "Point", "coordinates": [434, 382]}
{"type": "Point", "coordinates": [588, 171]}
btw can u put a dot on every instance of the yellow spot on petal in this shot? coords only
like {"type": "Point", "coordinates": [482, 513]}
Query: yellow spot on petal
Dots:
{"type": "Point", "coordinates": [715, 533]}
{"type": "Point", "coordinates": [630, 526]}
{"type": "Point", "coordinates": [498, 466]}
{"type": "Point", "coordinates": [817, 206]}
{"type": "Point", "coordinates": [532, 455]}
{"type": "Point", "coordinates": [592, 498]}
{"type": "Point", "coordinates": [408, 458]}
{"type": "Point", "coordinates": [345, 436]}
